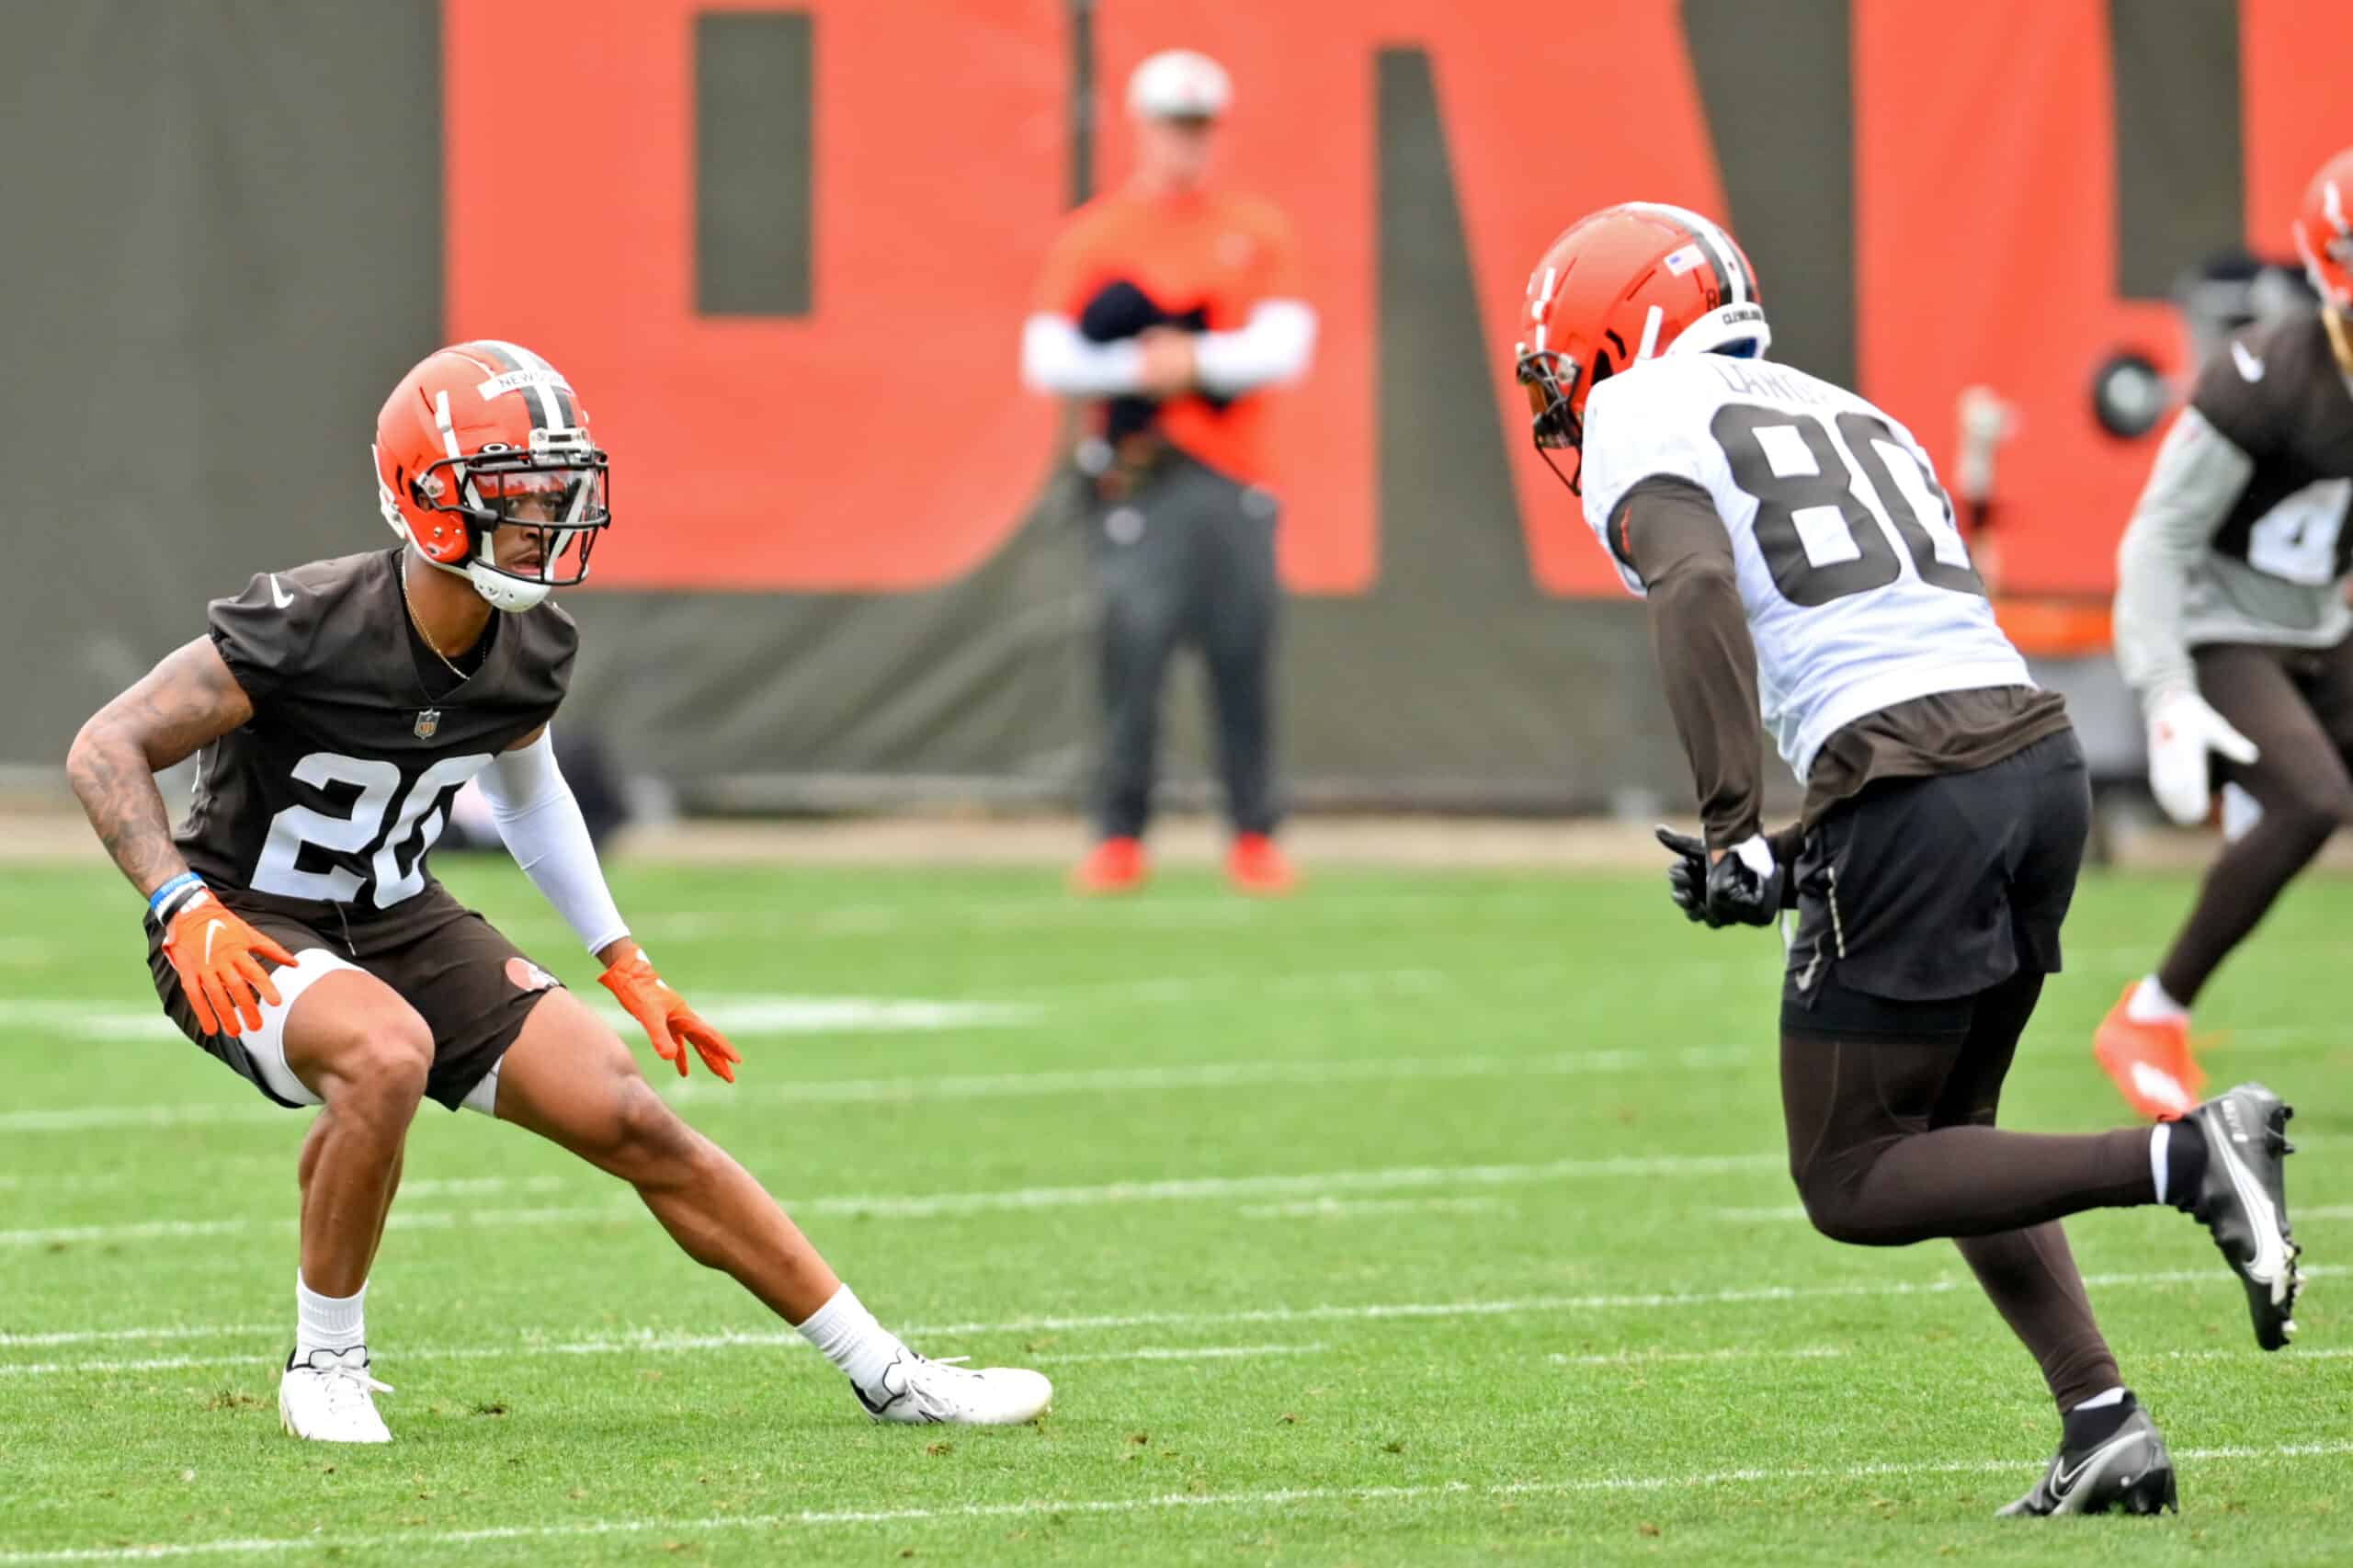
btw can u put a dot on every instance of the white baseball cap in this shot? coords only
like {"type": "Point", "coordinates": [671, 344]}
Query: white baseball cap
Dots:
{"type": "Point", "coordinates": [1180, 84]}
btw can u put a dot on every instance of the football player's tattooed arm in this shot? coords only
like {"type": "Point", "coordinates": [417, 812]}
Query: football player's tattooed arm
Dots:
{"type": "Point", "coordinates": [2198, 475]}
{"type": "Point", "coordinates": [1677, 545]}
{"type": "Point", "coordinates": [187, 700]}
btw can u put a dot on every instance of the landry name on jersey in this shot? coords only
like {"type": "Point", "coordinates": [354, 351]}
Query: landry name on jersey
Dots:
{"type": "Point", "coordinates": [1858, 588]}
{"type": "Point", "coordinates": [338, 786]}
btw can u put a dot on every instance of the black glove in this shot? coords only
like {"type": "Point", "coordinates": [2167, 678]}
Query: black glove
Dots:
{"type": "Point", "coordinates": [1726, 890]}
{"type": "Point", "coordinates": [1687, 879]}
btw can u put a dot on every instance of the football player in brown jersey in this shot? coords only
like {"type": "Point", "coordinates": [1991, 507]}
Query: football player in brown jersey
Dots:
{"type": "Point", "coordinates": [2233, 625]}
{"type": "Point", "coordinates": [296, 933]}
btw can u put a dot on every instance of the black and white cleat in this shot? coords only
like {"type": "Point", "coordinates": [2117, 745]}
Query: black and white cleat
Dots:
{"type": "Point", "coordinates": [2243, 1199]}
{"type": "Point", "coordinates": [2129, 1470]}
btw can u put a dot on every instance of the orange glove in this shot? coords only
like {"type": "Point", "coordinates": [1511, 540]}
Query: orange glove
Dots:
{"type": "Point", "coordinates": [217, 957]}
{"type": "Point", "coordinates": [665, 1014]}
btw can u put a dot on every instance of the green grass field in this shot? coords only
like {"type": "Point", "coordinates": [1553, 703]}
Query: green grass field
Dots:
{"type": "Point", "coordinates": [1419, 1219]}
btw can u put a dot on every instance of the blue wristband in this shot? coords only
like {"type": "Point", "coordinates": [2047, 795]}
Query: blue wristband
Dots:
{"type": "Point", "coordinates": [156, 900]}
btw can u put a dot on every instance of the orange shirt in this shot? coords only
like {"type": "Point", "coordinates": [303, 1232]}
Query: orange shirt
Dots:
{"type": "Point", "coordinates": [1212, 250]}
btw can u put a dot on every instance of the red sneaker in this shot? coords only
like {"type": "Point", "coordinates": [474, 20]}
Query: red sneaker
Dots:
{"type": "Point", "coordinates": [1116, 865]}
{"type": "Point", "coordinates": [2151, 1065]}
{"type": "Point", "coordinates": [1255, 866]}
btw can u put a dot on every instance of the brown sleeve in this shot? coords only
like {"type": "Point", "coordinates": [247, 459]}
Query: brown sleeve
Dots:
{"type": "Point", "coordinates": [266, 645]}
{"type": "Point", "coordinates": [2245, 412]}
{"type": "Point", "coordinates": [1677, 545]}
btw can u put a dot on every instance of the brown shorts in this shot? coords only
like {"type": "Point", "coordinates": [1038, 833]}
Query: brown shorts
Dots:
{"type": "Point", "coordinates": [472, 986]}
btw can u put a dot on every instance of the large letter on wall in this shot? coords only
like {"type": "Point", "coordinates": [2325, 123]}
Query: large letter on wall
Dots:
{"type": "Point", "coordinates": [871, 433]}
{"type": "Point", "coordinates": [1543, 114]}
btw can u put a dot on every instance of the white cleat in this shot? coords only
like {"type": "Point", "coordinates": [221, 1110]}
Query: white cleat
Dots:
{"type": "Point", "coordinates": [918, 1391]}
{"type": "Point", "coordinates": [330, 1398]}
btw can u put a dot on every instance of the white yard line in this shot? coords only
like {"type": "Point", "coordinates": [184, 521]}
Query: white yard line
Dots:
{"type": "Point", "coordinates": [2285, 1359]}
{"type": "Point", "coordinates": [1758, 1353]}
{"type": "Point", "coordinates": [1348, 1208]}
{"type": "Point", "coordinates": [1209, 987]}
{"type": "Point", "coordinates": [650, 1342]}
{"type": "Point", "coordinates": [2024, 1465]}
{"type": "Point", "coordinates": [1770, 1211]}
{"type": "Point", "coordinates": [659, 1344]}
{"type": "Point", "coordinates": [479, 1186]}
{"type": "Point", "coordinates": [1518, 1306]}
{"type": "Point", "coordinates": [56, 1182]}
{"type": "Point", "coordinates": [1781, 1212]}
{"type": "Point", "coordinates": [1211, 1075]}
{"type": "Point", "coordinates": [745, 1015]}
{"type": "Point", "coordinates": [947, 1087]}
{"type": "Point", "coordinates": [1179, 1353]}
{"type": "Point", "coordinates": [81, 1118]}
{"type": "Point", "coordinates": [1659, 1357]}
{"type": "Point", "coordinates": [160, 1332]}
{"type": "Point", "coordinates": [934, 1204]}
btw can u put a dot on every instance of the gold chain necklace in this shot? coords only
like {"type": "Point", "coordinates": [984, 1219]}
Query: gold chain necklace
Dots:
{"type": "Point", "coordinates": [413, 621]}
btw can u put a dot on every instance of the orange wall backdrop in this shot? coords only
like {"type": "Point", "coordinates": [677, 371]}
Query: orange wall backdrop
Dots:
{"type": "Point", "coordinates": [883, 443]}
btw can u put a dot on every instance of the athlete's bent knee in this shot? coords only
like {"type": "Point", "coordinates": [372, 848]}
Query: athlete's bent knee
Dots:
{"type": "Point", "coordinates": [1839, 1210]}
{"type": "Point", "coordinates": [2310, 816]}
{"type": "Point", "coordinates": [381, 1069]}
{"type": "Point", "coordinates": [650, 1140]}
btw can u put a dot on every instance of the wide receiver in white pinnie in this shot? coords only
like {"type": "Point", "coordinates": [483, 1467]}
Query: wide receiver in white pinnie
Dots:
{"type": "Point", "coordinates": [1803, 575]}
{"type": "Point", "coordinates": [295, 932]}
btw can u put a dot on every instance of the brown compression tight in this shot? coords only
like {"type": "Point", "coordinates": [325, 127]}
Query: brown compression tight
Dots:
{"type": "Point", "coordinates": [1893, 1142]}
{"type": "Point", "coordinates": [2296, 707]}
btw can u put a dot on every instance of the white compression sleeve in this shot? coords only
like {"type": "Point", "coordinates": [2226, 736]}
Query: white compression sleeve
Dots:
{"type": "Point", "coordinates": [1055, 358]}
{"type": "Point", "coordinates": [1273, 346]}
{"type": "Point", "coordinates": [539, 820]}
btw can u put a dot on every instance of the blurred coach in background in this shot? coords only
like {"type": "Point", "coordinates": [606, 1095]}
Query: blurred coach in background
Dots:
{"type": "Point", "coordinates": [1170, 307]}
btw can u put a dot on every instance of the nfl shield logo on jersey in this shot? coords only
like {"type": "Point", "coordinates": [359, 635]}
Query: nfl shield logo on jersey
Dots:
{"type": "Point", "coordinates": [426, 723]}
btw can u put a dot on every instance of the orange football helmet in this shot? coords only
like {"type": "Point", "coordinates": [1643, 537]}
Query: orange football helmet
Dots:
{"type": "Point", "coordinates": [2324, 229]}
{"type": "Point", "coordinates": [487, 436]}
{"type": "Point", "coordinates": [1623, 285]}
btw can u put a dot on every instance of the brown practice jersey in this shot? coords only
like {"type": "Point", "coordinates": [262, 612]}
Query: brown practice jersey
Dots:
{"type": "Point", "coordinates": [328, 800]}
{"type": "Point", "coordinates": [2278, 393]}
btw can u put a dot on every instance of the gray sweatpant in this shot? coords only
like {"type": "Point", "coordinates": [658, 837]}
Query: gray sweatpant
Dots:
{"type": "Point", "coordinates": [1188, 557]}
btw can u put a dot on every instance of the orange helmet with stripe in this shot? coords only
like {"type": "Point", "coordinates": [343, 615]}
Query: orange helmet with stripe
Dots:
{"type": "Point", "coordinates": [1623, 285]}
{"type": "Point", "coordinates": [2324, 229]}
{"type": "Point", "coordinates": [487, 436]}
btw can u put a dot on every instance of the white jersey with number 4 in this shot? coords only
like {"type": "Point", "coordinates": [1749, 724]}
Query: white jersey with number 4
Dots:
{"type": "Point", "coordinates": [1858, 590]}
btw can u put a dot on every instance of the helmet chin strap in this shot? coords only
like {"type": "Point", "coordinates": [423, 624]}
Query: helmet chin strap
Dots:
{"type": "Point", "coordinates": [503, 590]}
{"type": "Point", "coordinates": [2340, 336]}
{"type": "Point", "coordinates": [500, 589]}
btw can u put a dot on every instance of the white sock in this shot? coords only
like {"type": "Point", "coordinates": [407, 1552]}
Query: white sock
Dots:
{"type": "Point", "coordinates": [2103, 1400]}
{"type": "Point", "coordinates": [2160, 1139]}
{"type": "Point", "coordinates": [2150, 1005]}
{"type": "Point", "coordinates": [327, 1323]}
{"type": "Point", "coordinates": [846, 1333]}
